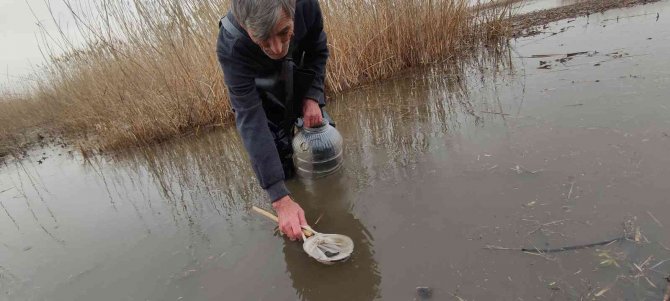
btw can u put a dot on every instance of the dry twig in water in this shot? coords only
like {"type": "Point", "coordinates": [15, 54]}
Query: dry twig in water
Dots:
{"type": "Point", "coordinates": [456, 296]}
{"type": "Point", "coordinates": [495, 113]}
{"type": "Point", "coordinates": [570, 192]}
{"type": "Point", "coordinates": [318, 219]}
{"type": "Point", "coordinates": [655, 219]}
{"type": "Point", "coordinates": [546, 224]}
{"type": "Point", "coordinates": [559, 249]}
{"type": "Point", "coordinates": [663, 246]}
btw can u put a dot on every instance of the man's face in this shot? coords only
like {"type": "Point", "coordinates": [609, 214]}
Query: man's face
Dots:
{"type": "Point", "coordinates": [276, 46]}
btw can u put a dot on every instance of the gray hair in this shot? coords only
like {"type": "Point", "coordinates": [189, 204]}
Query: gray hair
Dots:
{"type": "Point", "coordinates": [261, 15]}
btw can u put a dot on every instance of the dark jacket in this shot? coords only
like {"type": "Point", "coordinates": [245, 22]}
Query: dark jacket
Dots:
{"type": "Point", "coordinates": [242, 61]}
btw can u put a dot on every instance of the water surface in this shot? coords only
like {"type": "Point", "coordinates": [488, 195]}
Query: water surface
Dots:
{"type": "Point", "coordinates": [439, 163]}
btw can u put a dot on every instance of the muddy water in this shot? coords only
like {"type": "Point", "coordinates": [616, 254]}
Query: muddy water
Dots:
{"type": "Point", "coordinates": [439, 164]}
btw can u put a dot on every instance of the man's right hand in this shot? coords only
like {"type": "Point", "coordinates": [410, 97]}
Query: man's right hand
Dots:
{"type": "Point", "coordinates": [291, 217]}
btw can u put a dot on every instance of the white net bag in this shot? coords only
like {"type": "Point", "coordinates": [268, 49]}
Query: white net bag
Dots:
{"type": "Point", "coordinates": [325, 248]}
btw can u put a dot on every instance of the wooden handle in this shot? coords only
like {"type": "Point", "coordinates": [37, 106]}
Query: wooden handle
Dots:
{"type": "Point", "coordinates": [274, 218]}
{"type": "Point", "coordinates": [266, 214]}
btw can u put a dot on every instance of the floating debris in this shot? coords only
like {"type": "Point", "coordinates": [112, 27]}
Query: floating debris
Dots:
{"type": "Point", "coordinates": [544, 65]}
{"type": "Point", "coordinates": [495, 113]}
{"type": "Point", "coordinates": [563, 59]}
{"type": "Point", "coordinates": [617, 54]}
{"type": "Point", "coordinates": [535, 56]}
{"type": "Point", "coordinates": [559, 249]}
{"type": "Point", "coordinates": [424, 292]}
{"type": "Point", "coordinates": [577, 53]}
{"type": "Point", "coordinates": [655, 219]}
{"type": "Point", "coordinates": [520, 170]}
{"type": "Point", "coordinates": [607, 259]}
{"type": "Point", "coordinates": [602, 291]}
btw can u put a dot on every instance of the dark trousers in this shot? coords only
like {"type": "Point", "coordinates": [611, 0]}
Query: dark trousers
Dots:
{"type": "Point", "coordinates": [282, 96]}
{"type": "Point", "coordinates": [273, 101]}
{"type": "Point", "coordinates": [283, 141]}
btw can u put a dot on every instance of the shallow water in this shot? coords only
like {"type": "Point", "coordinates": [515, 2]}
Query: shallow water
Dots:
{"type": "Point", "coordinates": [439, 164]}
{"type": "Point", "coordinates": [534, 5]}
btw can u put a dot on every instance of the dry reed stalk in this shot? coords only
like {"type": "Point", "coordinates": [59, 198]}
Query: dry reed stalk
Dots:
{"type": "Point", "coordinates": [147, 70]}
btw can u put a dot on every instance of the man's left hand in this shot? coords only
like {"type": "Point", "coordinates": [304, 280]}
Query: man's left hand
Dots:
{"type": "Point", "coordinates": [311, 113]}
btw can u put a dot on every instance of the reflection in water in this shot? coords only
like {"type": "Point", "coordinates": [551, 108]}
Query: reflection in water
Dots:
{"type": "Point", "coordinates": [196, 175]}
{"type": "Point", "coordinates": [385, 127]}
{"type": "Point", "coordinates": [197, 192]}
{"type": "Point", "coordinates": [356, 279]}
{"type": "Point", "coordinates": [36, 190]}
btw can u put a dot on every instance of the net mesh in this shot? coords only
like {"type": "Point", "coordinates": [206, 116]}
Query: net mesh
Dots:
{"type": "Point", "coordinates": [328, 248]}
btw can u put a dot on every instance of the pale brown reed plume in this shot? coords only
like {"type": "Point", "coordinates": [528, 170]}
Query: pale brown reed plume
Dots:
{"type": "Point", "coordinates": [147, 70]}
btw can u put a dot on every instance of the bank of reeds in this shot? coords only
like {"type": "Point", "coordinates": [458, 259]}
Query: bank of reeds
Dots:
{"type": "Point", "coordinates": [20, 117]}
{"type": "Point", "coordinates": [147, 70]}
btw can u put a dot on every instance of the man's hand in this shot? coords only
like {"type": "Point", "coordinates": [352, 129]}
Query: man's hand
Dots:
{"type": "Point", "coordinates": [311, 113]}
{"type": "Point", "coordinates": [291, 217]}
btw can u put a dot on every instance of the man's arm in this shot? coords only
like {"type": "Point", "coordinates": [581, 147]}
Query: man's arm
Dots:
{"type": "Point", "coordinates": [251, 121]}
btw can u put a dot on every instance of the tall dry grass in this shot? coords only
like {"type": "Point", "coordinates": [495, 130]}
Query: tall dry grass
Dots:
{"type": "Point", "coordinates": [147, 70]}
{"type": "Point", "coordinates": [20, 117]}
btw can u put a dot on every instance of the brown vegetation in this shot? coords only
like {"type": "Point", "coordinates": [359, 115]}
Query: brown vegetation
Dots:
{"type": "Point", "coordinates": [148, 72]}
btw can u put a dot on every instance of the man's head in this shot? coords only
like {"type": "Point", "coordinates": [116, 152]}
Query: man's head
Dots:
{"type": "Point", "coordinates": [268, 22]}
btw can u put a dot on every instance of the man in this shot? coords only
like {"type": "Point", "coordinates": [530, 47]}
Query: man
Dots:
{"type": "Point", "coordinates": [260, 44]}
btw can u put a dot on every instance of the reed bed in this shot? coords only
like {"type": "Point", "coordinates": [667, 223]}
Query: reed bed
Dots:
{"type": "Point", "coordinates": [21, 117]}
{"type": "Point", "coordinates": [147, 70]}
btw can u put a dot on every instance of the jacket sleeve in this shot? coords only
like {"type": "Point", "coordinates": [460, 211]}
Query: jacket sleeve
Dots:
{"type": "Point", "coordinates": [250, 119]}
{"type": "Point", "coordinates": [316, 52]}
